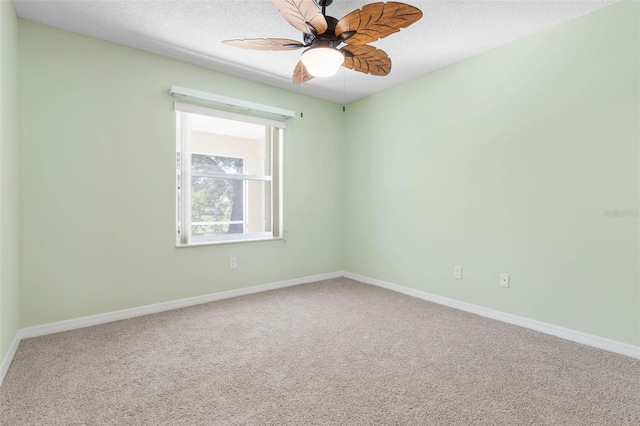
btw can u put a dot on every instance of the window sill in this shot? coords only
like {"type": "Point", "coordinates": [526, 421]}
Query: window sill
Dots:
{"type": "Point", "coordinates": [217, 243]}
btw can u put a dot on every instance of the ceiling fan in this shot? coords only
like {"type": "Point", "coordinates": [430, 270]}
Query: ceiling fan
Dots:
{"type": "Point", "coordinates": [323, 34]}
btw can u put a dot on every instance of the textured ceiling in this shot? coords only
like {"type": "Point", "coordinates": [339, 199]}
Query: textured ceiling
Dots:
{"type": "Point", "coordinates": [192, 31]}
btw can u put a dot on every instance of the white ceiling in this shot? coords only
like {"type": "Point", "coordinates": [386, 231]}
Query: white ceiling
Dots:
{"type": "Point", "coordinates": [192, 31]}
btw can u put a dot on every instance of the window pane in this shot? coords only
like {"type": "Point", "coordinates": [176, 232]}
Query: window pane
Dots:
{"type": "Point", "coordinates": [225, 127]}
{"type": "Point", "coordinates": [217, 206]}
{"type": "Point", "coordinates": [216, 164]}
{"type": "Point", "coordinates": [229, 206]}
{"type": "Point", "coordinates": [224, 179]}
{"type": "Point", "coordinates": [226, 146]}
{"type": "Point", "coordinates": [259, 206]}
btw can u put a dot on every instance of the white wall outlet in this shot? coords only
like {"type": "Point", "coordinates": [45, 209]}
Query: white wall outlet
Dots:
{"type": "Point", "coordinates": [504, 280]}
{"type": "Point", "coordinates": [233, 263]}
{"type": "Point", "coordinates": [457, 272]}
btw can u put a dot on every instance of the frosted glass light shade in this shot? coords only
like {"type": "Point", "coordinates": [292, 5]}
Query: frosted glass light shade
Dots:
{"type": "Point", "coordinates": [322, 61]}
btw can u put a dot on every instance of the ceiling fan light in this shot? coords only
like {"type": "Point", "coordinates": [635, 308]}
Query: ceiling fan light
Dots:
{"type": "Point", "coordinates": [322, 61]}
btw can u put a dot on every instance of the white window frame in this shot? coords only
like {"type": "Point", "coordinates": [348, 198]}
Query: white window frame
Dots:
{"type": "Point", "coordinates": [274, 136]}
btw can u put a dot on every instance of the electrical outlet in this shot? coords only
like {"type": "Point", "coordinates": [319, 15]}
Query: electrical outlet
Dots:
{"type": "Point", "coordinates": [457, 272]}
{"type": "Point", "coordinates": [233, 263]}
{"type": "Point", "coordinates": [504, 280]}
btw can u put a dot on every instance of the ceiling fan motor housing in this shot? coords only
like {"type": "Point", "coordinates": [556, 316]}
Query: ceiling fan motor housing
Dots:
{"type": "Point", "coordinates": [328, 38]}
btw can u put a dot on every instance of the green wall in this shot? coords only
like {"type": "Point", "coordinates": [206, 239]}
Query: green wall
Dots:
{"type": "Point", "coordinates": [97, 196]}
{"type": "Point", "coordinates": [8, 177]}
{"type": "Point", "coordinates": [506, 162]}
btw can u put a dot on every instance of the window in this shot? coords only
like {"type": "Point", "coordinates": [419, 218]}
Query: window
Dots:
{"type": "Point", "coordinates": [228, 176]}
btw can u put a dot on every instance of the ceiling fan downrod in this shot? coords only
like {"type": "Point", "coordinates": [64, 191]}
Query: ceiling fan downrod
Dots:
{"type": "Point", "coordinates": [323, 4]}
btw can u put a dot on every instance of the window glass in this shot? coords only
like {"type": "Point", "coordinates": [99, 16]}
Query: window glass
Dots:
{"type": "Point", "coordinates": [225, 190]}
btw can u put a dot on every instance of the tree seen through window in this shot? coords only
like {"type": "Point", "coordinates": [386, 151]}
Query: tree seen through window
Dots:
{"type": "Point", "coordinates": [216, 199]}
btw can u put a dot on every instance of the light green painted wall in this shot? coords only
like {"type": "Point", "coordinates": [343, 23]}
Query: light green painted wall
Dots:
{"type": "Point", "coordinates": [97, 182]}
{"type": "Point", "coordinates": [501, 163]}
{"type": "Point", "coordinates": [505, 163]}
{"type": "Point", "coordinates": [8, 177]}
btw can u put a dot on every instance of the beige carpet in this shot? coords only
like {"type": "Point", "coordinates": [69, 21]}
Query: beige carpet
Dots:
{"type": "Point", "coordinates": [335, 352]}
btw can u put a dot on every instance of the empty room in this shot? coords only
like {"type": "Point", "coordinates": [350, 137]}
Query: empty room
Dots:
{"type": "Point", "coordinates": [319, 212]}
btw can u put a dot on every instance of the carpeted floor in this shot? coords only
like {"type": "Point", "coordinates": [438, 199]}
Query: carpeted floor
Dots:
{"type": "Point", "coordinates": [335, 352]}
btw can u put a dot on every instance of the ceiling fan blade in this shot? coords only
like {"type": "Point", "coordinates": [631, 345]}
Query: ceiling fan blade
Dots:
{"type": "Point", "coordinates": [300, 74]}
{"type": "Point", "coordinates": [265, 44]}
{"type": "Point", "coordinates": [366, 59]}
{"type": "Point", "coordinates": [303, 15]}
{"type": "Point", "coordinates": [377, 20]}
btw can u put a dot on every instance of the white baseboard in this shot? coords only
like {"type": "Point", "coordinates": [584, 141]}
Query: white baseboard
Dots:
{"type": "Point", "coordinates": [554, 330]}
{"type": "Point", "coordinates": [88, 321]}
{"type": "Point", "coordinates": [6, 362]}
{"type": "Point", "coordinates": [91, 320]}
